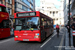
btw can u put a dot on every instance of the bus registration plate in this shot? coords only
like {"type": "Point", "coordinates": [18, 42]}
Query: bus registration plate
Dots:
{"type": "Point", "coordinates": [25, 39]}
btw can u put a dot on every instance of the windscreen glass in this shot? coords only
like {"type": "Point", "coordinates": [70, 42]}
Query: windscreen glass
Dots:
{"type": "Point", "coordinates": [29, 23]}
{"type": "Point", "coordinates": [4, 24]}
{"type": "Point", "coordinates": [3, 9]}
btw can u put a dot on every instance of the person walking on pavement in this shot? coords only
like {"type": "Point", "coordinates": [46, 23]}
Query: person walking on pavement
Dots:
{"type": "Point", "coordinates": [73, 25]}
{"type": "Point", "coordinates": [57, 30]}
{"type": "Point", "coordinates": [67, 26]}
{"type": "Point", "coordinates": [73, 29]}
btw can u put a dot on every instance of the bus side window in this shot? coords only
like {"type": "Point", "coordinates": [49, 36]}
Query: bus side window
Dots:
{"type": "Point", "coordinates": [42, 26]}
{"type": "Point", "coordinates": [48, 22]}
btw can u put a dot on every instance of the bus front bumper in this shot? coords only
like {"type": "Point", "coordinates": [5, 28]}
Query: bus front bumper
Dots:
{"type": "Point", "coordinates": [35, 39]}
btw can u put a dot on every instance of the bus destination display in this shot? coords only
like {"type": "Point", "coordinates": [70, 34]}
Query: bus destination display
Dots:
{"type": "Point", "coordinates": [26, 14]}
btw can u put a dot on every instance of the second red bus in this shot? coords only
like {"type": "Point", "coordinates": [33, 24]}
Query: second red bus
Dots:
{"type": "Point", "coordinates": [4, 22]}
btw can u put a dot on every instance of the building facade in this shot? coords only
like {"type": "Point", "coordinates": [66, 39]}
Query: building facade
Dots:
{"type": "Point", "coordinates": [10, 6]}
{"type": "Point", "coordinates": [24, 5]}
{"type": "Point", "coordinates": [72, 8]}
{"type": "Point", "coordinates": [50, 10]}
{"type": "Point", "coordinates": [18, 6]}
{"type": "Point", "coordinates": [66, 12]}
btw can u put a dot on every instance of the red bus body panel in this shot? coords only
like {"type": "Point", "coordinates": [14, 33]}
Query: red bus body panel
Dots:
{"type": "Point", "coordinates": [2, 5]}
{"type": "Point", "coordinates": [4, 32]}
{"type": "Point", "coordinates": [3, 16]}
{"type": "Point", "coordinates": [27, 35]}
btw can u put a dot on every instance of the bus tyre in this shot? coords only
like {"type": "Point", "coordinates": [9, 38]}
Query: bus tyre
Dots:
{"type": "Point", "coordinates": [41, 36]}
{"type": "Point", "coordinates": [41, 39]}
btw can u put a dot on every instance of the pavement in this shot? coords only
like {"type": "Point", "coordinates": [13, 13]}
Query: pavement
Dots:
{"type": "Point", "coordinates": [67, 47]}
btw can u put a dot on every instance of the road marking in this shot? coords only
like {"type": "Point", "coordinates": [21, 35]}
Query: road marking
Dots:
{"type": "Point", "coordinates": [54, 35]}
{"type": "Point", "coordinates": [47, 40]}
{"type": "Point", "coordinates": [61, 42]}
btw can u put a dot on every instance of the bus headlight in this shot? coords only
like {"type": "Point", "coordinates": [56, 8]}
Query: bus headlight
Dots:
{"type": "Point", "coordinates": [36, 36]}
{"type": "Point", "coordinates": [16, 36]}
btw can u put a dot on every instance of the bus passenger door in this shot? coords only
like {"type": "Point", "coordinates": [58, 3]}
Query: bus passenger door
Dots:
{"type": "Point", "coordinates": [43, 33]}
{"type": "Point", "coordinates": [46, 26]}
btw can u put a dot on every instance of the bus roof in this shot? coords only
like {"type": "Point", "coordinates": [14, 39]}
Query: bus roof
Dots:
{"type": "Point", "coordinates": [45, 16]}
{"type": "Point", "coordinates": [2, 5]}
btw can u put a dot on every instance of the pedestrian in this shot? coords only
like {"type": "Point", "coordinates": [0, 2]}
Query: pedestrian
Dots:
{"type": "Point", "coordinates": [67, 26]}
{"type": "Point", "coordinates": [73, 29]}
{"type": "Point", "coordinates": [57, 30]}
{"type": "Point", "coordinates": [73, 25]}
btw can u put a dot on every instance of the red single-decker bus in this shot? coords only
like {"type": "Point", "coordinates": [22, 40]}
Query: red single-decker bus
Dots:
{"type": "Point", "coordinates": [4, 22]}
{"type": "Point", "coordinates": [32, 26]}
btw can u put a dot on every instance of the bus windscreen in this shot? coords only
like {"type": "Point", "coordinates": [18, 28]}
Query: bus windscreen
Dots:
{"type": "Point", "coordinates": [4, 24]}
{"type": "Point", "coordinates": [3, 9]}
{"type": "Point", "coordinates": [29, 23]}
